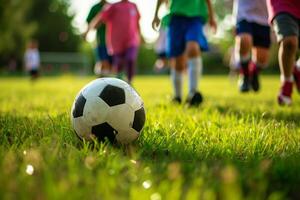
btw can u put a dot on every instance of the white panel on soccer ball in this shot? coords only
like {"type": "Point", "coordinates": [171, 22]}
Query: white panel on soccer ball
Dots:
{"type": "Point", "coordinates": [95, 111]}
{"type": "Point", "coordinates": [121, 117]}
{"type": "Point", "coordinates": [133, 99]}
{"type": "Point", "coordinates": [94, 88]}
{"type": "Point", "coordinates": [81, 128]}
{"type": "Point", "coordinates": [127, 136]}
{"type": "Point", "coordinates": [116, 82]}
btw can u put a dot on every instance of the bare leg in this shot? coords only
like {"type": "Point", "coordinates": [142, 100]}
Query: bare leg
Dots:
{"type": "Point", "coordinates": [287, 56]}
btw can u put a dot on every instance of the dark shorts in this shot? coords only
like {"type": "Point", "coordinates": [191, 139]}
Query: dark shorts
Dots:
{"type": "Point", "coordinates": [129, 55]}
{"type": "Point", "coordinates": [260, 33]}
{"type": "Point", "coordinates": [34, 72]}
{"type": "Point", "coordinates": [182, 30]}
{"type": "Point", "coordinates": [286, 25]}
{"type": "Point", "coordinates": [102, 54]}
{"type": "Point", "coordinates": [162, 55]}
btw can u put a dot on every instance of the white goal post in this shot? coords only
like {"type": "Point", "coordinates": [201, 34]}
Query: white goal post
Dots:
{"type": "Point", "coordinates": [64, 62]}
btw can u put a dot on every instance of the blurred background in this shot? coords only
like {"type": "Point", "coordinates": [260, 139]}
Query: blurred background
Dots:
{"type": "Point", "coordinates": [57, 26]}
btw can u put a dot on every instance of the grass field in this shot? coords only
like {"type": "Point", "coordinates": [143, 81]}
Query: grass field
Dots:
{"type": "Point", "coordinates": [233, 146]}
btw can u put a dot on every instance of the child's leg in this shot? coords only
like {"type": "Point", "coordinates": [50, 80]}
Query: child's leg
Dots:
{"type": "Point", "coordinates": [177, 68]}
{"type": "Point", "coordinates": [243, 46]}
{"type": "Point", "coordinates": [260, 57]}
{"type": "Point", "coordinates": [260, 52]}
{"type": "Point", "coordinates": [130, 62]}
{"type": "Point", "coordinates": [287, 55]}
{"type": "Point", "coordinates": [194, 66]}
{"type": "Point", "coordinates": [118, 61]}
{"type": "Point", "coordinates": [175, 50]}
{"type": "Point", "coordinates": [287, 32]}
{"type": "Point", "coordinates": [195, 41]}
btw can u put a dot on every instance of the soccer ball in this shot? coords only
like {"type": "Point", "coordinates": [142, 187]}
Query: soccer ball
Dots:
{"type": "Point", "coordinates": [108, 108]}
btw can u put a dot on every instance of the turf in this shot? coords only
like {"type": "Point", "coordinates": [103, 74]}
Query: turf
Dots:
{"type": "Point", "coordinates": [234, 146]}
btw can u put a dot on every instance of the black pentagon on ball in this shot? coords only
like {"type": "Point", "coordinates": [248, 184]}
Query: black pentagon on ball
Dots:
{"type": "Point", "coordinates": [139, 119]}
{"type": "Point", "coordinates": [103, 131]}
{"type": "Point", "coordinates": [79, 105]}
{"type": "Point", "coordinates": [113, 95]}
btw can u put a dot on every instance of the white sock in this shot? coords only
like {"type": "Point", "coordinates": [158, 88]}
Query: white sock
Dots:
{"type": "Point", "coordinates": [194, 72]}
{"type": "Point", "coordinates": [288, 79]}
{"type": "Point", "coordinates": [177, 79]}
{"type": "Point", "coordinates": [298, 64]}
{"type": "Point", "coordinates": [245, 58]}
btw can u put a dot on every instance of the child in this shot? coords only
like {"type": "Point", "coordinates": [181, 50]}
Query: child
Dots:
{"type": "Point", "coordinates": [32, 59]}
{"type": "Point", "coordinates": [161, 45]}
{"type": "Point", "coordinates": [252, 41]}
{"type": "Point", "coordinates": [103, 60]}
{"type": "Point", "coordinates": [185, 41]}
{"type": "Point", "coordinates": [285, 17]}
{"type": "Point", "coordinates": [123, 34]}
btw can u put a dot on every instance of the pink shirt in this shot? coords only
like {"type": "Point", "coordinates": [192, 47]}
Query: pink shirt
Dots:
{"type": "Point", "coordinates": [278, 6]}
{"type": "Point", "coordinates": [122, 26]}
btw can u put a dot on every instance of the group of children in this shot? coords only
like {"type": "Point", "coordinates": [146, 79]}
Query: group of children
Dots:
{"type": "Point", "coordinates": [252, 43]}
{"type": "Point", "coordinates": [183, 41]}
{"type": "Point", "coordinates": [120, 47]}
{"type": "Point", "coordinates": [254, 19]}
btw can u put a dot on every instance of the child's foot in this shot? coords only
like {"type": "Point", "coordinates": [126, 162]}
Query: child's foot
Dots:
{"type": "Point", "coordinates": [195, 99]}
{"type": "Point", "coordinates": [176, 100]}
{"type": "Point", "coordinates": [255, 78]}
{"type": "Point", "coordinates": [285, 94]}
{"type": "Point", "coordinates": [296, 74]}
{"type": "Point", "coordinates": [244, 83]}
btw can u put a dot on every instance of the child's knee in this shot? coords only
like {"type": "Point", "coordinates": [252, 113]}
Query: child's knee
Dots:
{"type": "Point", "coordinates": [193, 49]}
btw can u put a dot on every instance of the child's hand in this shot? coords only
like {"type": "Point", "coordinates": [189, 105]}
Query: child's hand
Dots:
{"type": "Point", "coordinates": [84, 35]}
{"type": "Point", "coordinates": [155, 23]}
{"type": "Point", "coordinates": [213, 25]}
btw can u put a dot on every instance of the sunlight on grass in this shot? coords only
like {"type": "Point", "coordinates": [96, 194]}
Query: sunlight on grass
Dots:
{"type": "Point", "coordinates": [233, 146]}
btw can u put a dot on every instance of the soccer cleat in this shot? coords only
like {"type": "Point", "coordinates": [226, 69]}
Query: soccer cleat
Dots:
{"type": "Point", "coordinates": [285, 94]}
{"type": "Point", "coordinates": [296, 74]}
{"type": "Point", "coordinates": [176, 100]}
{"type": "Point", "coordinates": [244, 83]}
{"type": "Point", "coordinates": [195, 99]}
{"type": "Point", "coordinates": [254, 78]}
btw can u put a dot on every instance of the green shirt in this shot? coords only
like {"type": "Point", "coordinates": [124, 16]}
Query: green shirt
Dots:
{"type": "Point", "coordinates": [101, 29]}
{"type": "Point", "coordinates": [189, 8]}
{"type": "Point", "coordinates": [165, 21]}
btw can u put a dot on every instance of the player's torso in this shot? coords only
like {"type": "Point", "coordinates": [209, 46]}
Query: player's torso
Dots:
{"type": "Point", "coordinates": [251, 10]}
{"type": "Point", "coordinates": [190, 8]}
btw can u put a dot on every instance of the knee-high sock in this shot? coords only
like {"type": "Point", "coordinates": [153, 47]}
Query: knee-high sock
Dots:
{"type": "Point", "coordinates": [177, 79]}
{"type": "Point", "coordinates": [195, 66]}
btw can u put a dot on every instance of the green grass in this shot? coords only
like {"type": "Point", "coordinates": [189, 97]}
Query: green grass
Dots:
{"type": "Point", "coordinates": [233, 146]}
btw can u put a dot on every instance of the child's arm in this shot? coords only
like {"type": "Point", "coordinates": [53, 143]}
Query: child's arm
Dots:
{"type": "Point", "coordinates": [156, 20]}
{"type": "Point", "coordinates": [211, 16]}
{"type": "Point", "coordinates": [92, 25]}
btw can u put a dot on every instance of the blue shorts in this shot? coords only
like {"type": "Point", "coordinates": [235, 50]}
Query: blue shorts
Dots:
{"type": "Point", "coordinates": [184, 29]}
{"type": "Point", "coordinates": [260, 33]}
{"type": "Point", "coordinates": [102, 54]}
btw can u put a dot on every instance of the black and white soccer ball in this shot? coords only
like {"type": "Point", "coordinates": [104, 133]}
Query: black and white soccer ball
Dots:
{"type": "Point", "coordinates": [108, 108]}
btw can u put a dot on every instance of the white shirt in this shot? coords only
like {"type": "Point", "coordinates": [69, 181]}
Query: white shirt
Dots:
{"type": "Point", "coordinates": [32, 59]}
{"type": "Point", "coordinates": [251, 10]}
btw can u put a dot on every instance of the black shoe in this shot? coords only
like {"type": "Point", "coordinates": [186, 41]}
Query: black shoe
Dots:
{"type": "Point", "coordinates": [244, 84]}
{"type": "Point", "coordinates": [255, 82]}
{"type": "Point", "coordinates": [176, 100]}
{"type": "Point", "coordinates": [195, 100]}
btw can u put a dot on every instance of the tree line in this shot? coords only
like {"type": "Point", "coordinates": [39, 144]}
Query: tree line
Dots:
{"type": "Point", "coordinates": [47, 21]}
